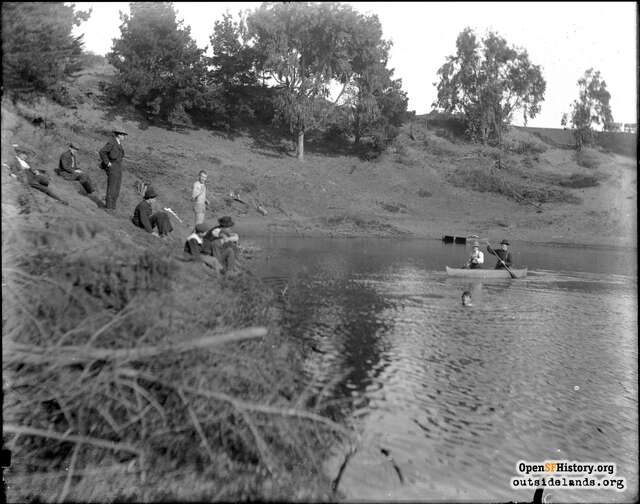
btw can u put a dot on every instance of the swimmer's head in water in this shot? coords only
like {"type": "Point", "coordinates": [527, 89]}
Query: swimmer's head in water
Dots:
{"type": "Point", "coordinates": [466, 298]}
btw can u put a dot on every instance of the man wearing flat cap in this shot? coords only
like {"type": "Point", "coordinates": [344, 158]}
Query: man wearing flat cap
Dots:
{"type": "Point", "coordinates": [111, 160]}
{"type": "Point", "coordinates": [68, 169]}
{"type": "Point", "coordinates": [504, 255]}
{"type": "Point", "coordinates": [144, 217]}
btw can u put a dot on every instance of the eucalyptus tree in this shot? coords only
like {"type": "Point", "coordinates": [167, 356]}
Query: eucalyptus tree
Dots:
{"type": "Point", "coordinates": [488, 81]}
{"type": "Point", "coordinates": [591, 108]}
{"type": "Point", "coordinates": [305, 48]}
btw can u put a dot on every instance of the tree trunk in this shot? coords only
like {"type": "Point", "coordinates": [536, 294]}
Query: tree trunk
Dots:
{"type": "Point", "coordinates": [356, 129]}
{"type": "Point", "coordinates": [300, 149]}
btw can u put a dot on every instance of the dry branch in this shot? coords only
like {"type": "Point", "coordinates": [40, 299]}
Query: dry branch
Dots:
{"type": "Point", "coordinates": [14, 353]}
{"type": "Point", "coordinates": [71, 438]}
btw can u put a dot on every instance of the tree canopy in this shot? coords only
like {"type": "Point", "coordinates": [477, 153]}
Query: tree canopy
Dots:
{"type": "Point", "coordinates": [161, 69]}
{"type": "Point", "coordinates": [488, 81]}
{"type": "Point", "coordinates": [39, 50]}
{"type": "Point", "coordinates": [304, 48]}
{"type": "Point", "coordinates": [591, 108]}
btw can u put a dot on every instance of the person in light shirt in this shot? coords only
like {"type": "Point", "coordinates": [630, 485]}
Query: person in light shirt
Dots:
{"type": "Point", "coordinates": [476, 259]}
{"type": "Point", "coordinates": [199, 197]}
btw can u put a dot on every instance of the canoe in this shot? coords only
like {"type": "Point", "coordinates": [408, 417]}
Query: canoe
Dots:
{"type": "Point", "coordinates": [485, 273]}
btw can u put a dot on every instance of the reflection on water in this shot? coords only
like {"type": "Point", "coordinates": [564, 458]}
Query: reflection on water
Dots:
{"type": "Point", "coordinates": [543, 368]}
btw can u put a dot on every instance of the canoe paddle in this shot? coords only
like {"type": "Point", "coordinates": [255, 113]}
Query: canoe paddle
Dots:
{"type": "Point", "coordinates": [490, 249]}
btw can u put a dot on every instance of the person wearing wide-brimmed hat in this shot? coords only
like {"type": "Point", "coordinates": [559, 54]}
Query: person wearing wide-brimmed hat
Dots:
{"type": "Point", "coordinates": [503, 255]}
{"type": "Point", "coordinates": [144, 217]}
{"type": "Point", "coordinates": [111, 160]}
{"type": "Point", "coordinates": [476, 259]}
{"type": "Point", "coordinates": [68, 169]}
{"type": "Point", "coordinates": [221, 242]}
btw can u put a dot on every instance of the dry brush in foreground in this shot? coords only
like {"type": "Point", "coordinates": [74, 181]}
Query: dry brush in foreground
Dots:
{"type": "Point", "coordinates": [128, 376]}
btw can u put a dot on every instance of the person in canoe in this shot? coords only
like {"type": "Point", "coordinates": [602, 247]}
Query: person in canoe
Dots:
{"type": "Point", "coordinates": [503, 255]}
{"type": "Point", "coordinates": [476, 259]}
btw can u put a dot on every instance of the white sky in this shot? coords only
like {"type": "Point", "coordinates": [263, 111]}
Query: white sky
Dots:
{"type": "Point", "coordinates": [565, 38]}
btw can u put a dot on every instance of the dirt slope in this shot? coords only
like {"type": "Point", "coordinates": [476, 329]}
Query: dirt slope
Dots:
{"type": "Point", "coordinates": [407, 191]}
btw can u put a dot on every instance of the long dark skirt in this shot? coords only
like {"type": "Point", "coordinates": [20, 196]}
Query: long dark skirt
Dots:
{"type": "Point", "coordinates": [161, 220]}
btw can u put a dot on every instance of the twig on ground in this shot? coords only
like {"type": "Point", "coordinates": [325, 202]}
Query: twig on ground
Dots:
{"type": "Point", "coordinates": [71, 438]}
{"type": "Point", "coordinates": [72, 466]}
{"type": "Point", "coordinates": [196, 424]}
{"type": "Point", "coordinates": [31, 354]}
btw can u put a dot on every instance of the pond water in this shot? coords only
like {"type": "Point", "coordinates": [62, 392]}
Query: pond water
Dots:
{"type": "Point", "coordinates": [447, 399]}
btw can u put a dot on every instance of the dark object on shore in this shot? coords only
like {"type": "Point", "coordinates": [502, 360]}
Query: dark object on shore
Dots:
{"type": "Point", "coordinates": [454, 239]}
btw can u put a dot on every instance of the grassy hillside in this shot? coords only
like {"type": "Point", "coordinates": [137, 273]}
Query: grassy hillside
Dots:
{"type": "Point", "coordinates": [424, 185]}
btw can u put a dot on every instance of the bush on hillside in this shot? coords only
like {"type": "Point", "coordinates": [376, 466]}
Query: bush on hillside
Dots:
{"type": "Point", "coordinates": [523, 147]}
{"type": "Point", "coordinates": [587, 159]}
{"type": "Point", "coordinates": [489, 181]}
{"type": "Point", "coordinates": [39, 51]}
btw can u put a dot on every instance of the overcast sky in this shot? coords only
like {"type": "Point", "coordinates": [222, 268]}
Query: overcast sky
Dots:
{"type": "Point", "coordinates": [564, 38]}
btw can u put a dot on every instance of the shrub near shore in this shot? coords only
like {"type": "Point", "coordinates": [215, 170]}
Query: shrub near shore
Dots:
{"type": "Point", "coordinates": [117, 386]}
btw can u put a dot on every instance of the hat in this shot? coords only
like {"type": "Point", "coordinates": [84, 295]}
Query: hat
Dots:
{"type": "Point", "coordinates": [119, 131]}
{"type": "Point", "coordinates": [73, 146]}
{"type": "Point", "coordinates": [504, 242]}
{"type": "Point", "coordinates": [475, 244]}
{"type": "Point", "coordinates": [150, 193]}
{"type": "Point", "coordinates": [225, 221]}
{"type": "Point", "coordinates": [202, 228]}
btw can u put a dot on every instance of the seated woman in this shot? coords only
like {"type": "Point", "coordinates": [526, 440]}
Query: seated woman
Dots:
{"type": "Point", "coordinates": [222, 243]}
{"type": "Point", "coordinates": [145, 218]}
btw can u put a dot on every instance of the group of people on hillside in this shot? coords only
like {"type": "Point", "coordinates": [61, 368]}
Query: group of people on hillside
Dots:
{"type": "Point", "coordinates": [215, 246]}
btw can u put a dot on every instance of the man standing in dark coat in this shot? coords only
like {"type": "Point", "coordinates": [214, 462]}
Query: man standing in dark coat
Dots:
{"type": "Point", "coordinates": [111, 158]}
{"type": "Point", "coordinates": [68, 169]}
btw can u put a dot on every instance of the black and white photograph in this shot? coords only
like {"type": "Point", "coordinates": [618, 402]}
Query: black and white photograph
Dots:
{"type": "Point", "coordinates": [320, 252]}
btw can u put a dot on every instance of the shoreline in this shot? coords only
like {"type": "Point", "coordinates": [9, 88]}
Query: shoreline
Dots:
{"type": "Point", "coordinates": [252, 228]}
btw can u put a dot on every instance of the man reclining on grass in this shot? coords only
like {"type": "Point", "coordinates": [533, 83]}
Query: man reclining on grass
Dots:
{"type": "Point", "coordinates": [38, 179]}
{"type": "Point", "coordinates": [145, 218]}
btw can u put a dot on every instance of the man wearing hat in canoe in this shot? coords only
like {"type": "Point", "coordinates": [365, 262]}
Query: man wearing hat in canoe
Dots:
{"type": "Point", "coordinates": [144, 217]}
{"type": "Point", "coordinates": [111, 160]}
{"type": "Point", "coordinates": [476, 259]}
{"type": "Point", "coordinates": [504, 255]}
{"type": "Point", "coordinates": [68, 169]}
